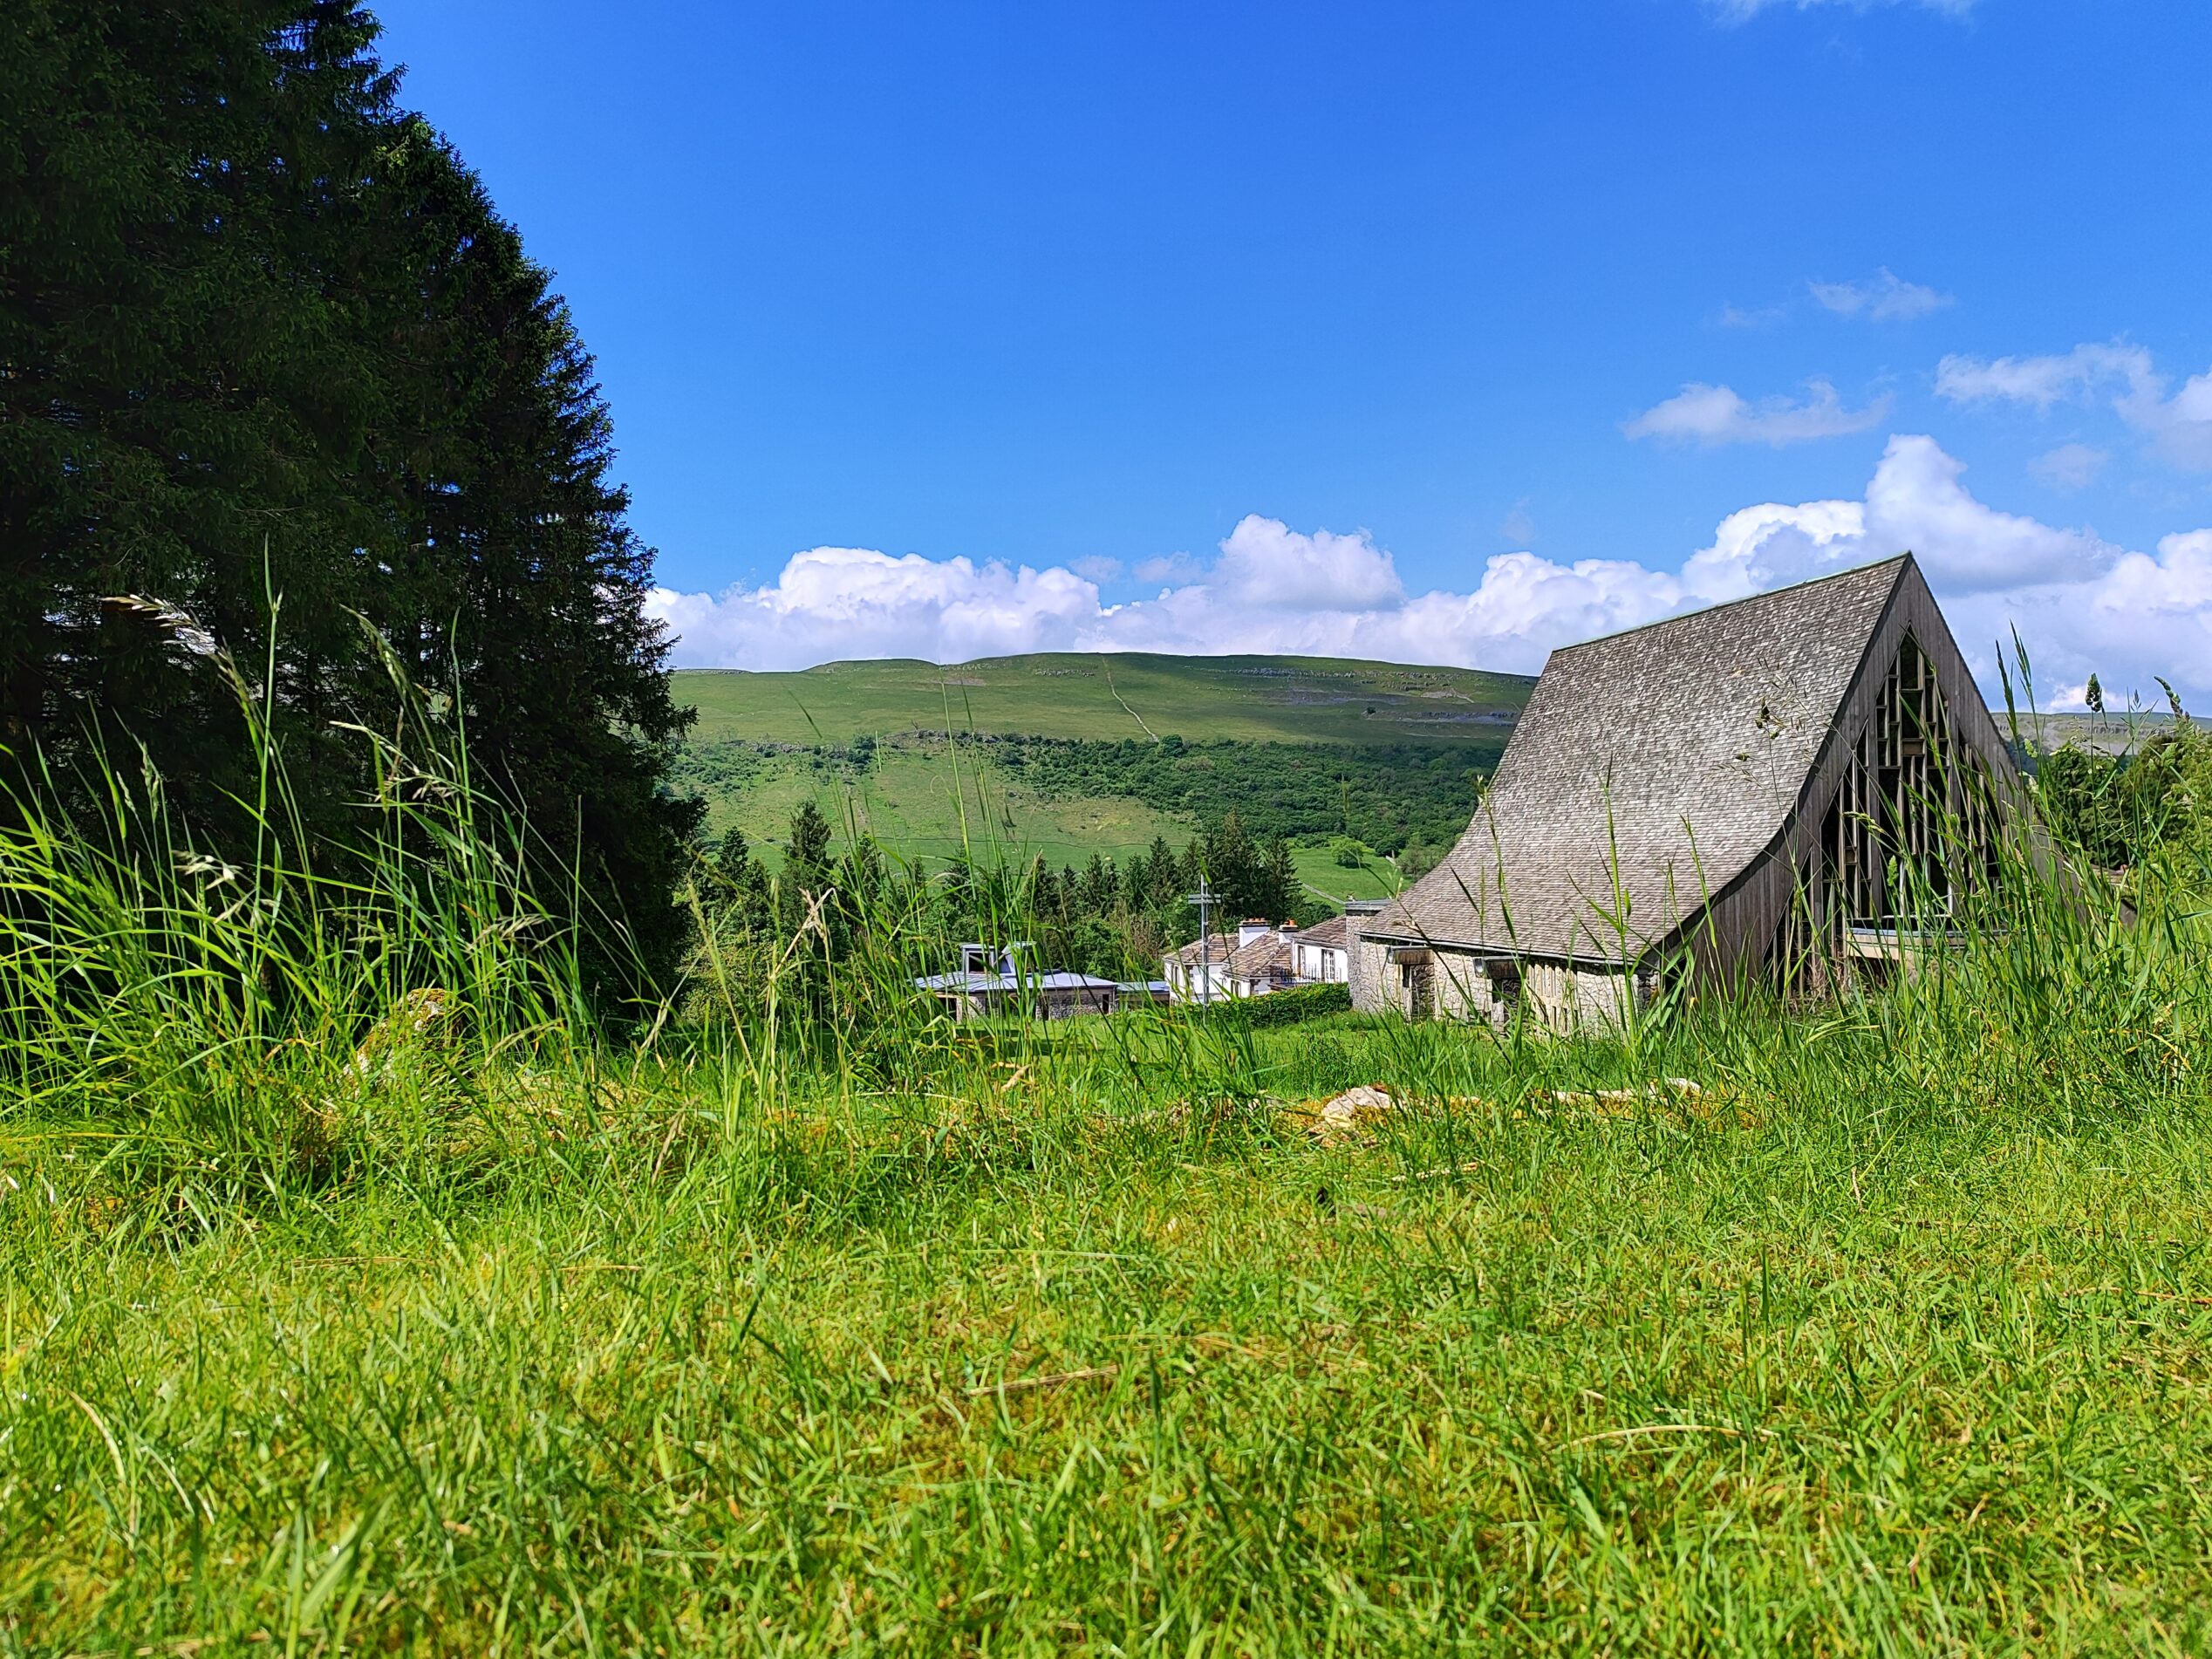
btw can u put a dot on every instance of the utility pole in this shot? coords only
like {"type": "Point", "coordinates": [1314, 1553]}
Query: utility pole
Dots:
{"type": "Point", "coordinates": [1204, 899]}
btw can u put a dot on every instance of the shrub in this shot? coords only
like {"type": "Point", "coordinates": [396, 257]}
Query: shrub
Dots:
{"type": "Point", "coordinates": [1290, 1007]}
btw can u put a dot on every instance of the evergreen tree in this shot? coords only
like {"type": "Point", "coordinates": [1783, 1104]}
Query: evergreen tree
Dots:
{"type": "Point", "coordinates": [1280, 890]}
{"type": "Point", "coordinates": [806, 850]}
{"type": "Point", "coordinates": [187, 252]}
{"type": "Point", "coordinates": [733, 858]}
{"type": "Point", "coordinates": [1099, 891]}
{"type": "Point", "coordinates": [265, 339]}
{"type": "Point", "coordinates": [1157, 882]}
{"type": "Point", "coordinates": [742, 881]}
{"type": "Point", "coordinates": [1230, 861]}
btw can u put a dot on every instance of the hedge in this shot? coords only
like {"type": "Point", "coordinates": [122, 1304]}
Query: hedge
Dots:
{"type": "Point", "coordinates": [1281, 1007]}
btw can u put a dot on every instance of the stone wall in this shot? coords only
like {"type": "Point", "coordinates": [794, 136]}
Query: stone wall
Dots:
{"type": "Point", "coordinates": [1562, 999]}
{"type": "Point", "coordinates": [1374, 983]}
{"type": "Point", "coordinates": [1459, 987]}
{"type": "Point", "coordinates": [1454, 984]}
{"type": "Point", "coordinates": [1459, 984]}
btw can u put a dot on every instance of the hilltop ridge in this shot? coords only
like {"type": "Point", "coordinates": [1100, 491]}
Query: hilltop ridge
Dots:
{"type": "Point", "coordinates": [1110, 696]}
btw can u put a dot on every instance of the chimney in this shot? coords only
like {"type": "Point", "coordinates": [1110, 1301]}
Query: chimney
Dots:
{"type": "Point", "coordinates": [1251, 931]}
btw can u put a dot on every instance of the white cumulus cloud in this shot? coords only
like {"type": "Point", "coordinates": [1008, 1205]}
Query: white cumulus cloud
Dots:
{"type": "Point", "coordinates": [1883, 298]}
{"type": "Point", "coordinates": [1264, 562]}
{"type": "Point", "coordinates": [832, 602]}
{"type": "Point", "coordinates": [2123, 376]}
{"type": "Point", "coordinates": [2042, 381]}
{"type": "Point", "coordinates": [2081, 603]}
{"type": "Point", "coordinates": [1715, 415]}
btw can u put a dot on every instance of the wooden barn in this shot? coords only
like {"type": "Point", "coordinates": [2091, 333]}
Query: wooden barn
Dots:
{"type": "Point", "coordinates": [1772, 789]}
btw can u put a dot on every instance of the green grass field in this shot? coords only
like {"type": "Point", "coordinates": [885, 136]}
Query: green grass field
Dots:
{"type": "Point", "coordinates": [359, 1294]}
{"type": "Point", "coordinates": [925, 803]}
{"type": "Point", "coordinates": [1300, 699]}
{"type": "Point", "coordinates": [927, 806]}
{"type": "Point", "coordinates": [920, 802]}
{"type": "Point", "coordinates": [1318, 869]}
{"type": "Point", "coordinates": [1093, 1348]}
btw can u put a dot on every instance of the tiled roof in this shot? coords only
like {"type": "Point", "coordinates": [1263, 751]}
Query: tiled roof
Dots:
{"type": "Point", "coordinates": [1650, 767]}
{"type": "Point", "coordinates": [1264, 957]}
{"type": "Point", "coordinates": [1219, 949]}
{"type": "Point", "coordinates": [1329, 935]}
{"type": "Point", "coordinates": [1267, 957]}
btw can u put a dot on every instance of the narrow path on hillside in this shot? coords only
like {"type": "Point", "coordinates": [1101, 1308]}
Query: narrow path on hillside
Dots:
{"type": "Point", "coordinates": [1123, 701]}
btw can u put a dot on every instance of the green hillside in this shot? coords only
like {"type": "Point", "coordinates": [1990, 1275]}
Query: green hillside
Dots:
{"type": "Point", "coordinates": [1296, 699]}
{"type": "Point", "coordinates": [1062, 756]}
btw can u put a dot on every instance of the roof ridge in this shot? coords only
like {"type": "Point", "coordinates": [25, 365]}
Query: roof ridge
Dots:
{"type": "Point", "coordinates": [1904, 559]}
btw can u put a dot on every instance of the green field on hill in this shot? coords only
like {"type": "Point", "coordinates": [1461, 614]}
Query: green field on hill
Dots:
{"type": "Point", "coordinates": [923, 802]}
{"type": "Point", "coordinates": [1061, 757]}
{"type": "Point", "coordinates": [1293, 699]}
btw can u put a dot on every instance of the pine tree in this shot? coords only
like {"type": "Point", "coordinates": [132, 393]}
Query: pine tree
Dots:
{"type": "Point", "coordinates": [733, 858]}
{"type": "Point", "coordinates": [189, 401]}
{"type": "Point", "coordinates": [806, 850]}
{"type": "Point", "coordinates": [1281, 889]}
{"type": "Point", "coordinates": [1099, 891]}
{"type": "Point", "coordinates": [1157, 882]}
{"type": "Point", "coordinates": [1233, 865]}
{"type": "Point", "coordinates": [741, 882]}
{"type": "Point", "coordinates": [266, 340]}
{"type": "Point", "coordinates": [528, 587]}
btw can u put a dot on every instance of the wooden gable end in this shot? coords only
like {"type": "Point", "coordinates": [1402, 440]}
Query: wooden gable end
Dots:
{"type": "Point", "coordinates": [1897, 749]}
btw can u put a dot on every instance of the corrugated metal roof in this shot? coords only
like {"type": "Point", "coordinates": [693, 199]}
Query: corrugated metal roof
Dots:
{"type": "Point", "coordinates": [984, 983]}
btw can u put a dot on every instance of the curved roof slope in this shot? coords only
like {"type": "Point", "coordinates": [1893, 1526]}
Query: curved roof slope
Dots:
{"type": "Point", "coordinates": [1671, 754]}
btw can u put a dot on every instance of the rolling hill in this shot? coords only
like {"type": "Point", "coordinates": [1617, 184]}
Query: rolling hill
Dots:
{"type": "Point", "coordinates": [1063, 756]}
{"type": "Point", "coordinates": [1284, 699]}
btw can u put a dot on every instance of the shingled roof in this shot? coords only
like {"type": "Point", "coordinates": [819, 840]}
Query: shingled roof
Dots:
{"type": "Point", "coordinates": [1331, 934]}
{"type": "Point", "coordinates": [1657, 764]}
{"type": "Point", "coordinates": [1266, 958]}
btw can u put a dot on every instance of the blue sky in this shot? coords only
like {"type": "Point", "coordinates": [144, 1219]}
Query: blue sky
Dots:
{"type": "Point", "coordinates": [1213, 326]}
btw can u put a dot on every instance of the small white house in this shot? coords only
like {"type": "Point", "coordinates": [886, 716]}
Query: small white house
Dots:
{"type": "Point", "coordinates": [1321, 954]}
{"type": "Point", "coordinates": [1262, 957]}
{"type": "Point", "coordinates": [1250, 962]}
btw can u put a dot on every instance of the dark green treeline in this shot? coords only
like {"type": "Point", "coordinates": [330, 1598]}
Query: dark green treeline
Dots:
{"type": "Point", "coordinates": [263, 337]}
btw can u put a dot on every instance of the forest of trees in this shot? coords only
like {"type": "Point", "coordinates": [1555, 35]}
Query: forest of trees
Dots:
{"type": "Point", "coordinates": [1385, 794]}
{"type": "Point", "coordinates": [279, 384]}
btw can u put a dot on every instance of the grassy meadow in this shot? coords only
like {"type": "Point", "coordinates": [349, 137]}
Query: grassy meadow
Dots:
{"type": "Point", "coordinates": [1296, 745]}
{"type": "Point", "coordinates": [920, 799]}
{"type": "Point", "coordinates": [933, 808]}
{"type": "Point", "coordinates": [1376, 877]}
{"type": "Point", "coordinates": [359, 1293]}
{"type": "Point", "coordinates": [1102, 696]}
